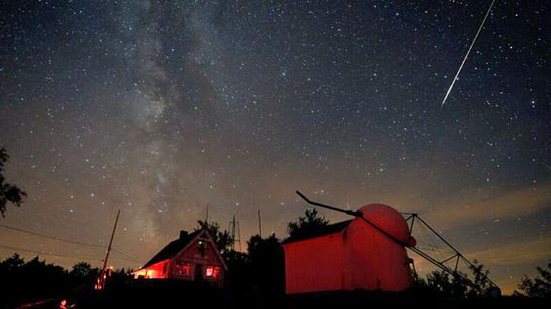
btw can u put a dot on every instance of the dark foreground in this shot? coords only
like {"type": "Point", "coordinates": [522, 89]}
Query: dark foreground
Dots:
{"type": "Point", "coordinates": [159, 294]}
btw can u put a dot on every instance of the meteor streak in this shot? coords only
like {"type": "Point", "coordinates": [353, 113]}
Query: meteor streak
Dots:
{"type": "Point", "coordinates": [468, 52]}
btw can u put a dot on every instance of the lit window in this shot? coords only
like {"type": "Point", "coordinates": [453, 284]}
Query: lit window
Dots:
{"type": "Point", "coordinates": [212, 271]}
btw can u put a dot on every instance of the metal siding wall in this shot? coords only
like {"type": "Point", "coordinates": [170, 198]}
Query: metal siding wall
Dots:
{"type": "Point", "coordinates": [314, 265]}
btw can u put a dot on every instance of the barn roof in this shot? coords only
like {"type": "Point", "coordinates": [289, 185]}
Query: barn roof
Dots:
{"type": "Point", "coordinates": [172, 248]}
{"type": "Point", "coordinates": [318, 232]}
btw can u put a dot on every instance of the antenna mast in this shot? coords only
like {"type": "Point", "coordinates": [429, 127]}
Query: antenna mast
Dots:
{"type": "Point", "coordinates": [239, 236]}
{"type": "Point", "coordinates": [234, 226]}
{"type": "Point", "coordinates": [259, 224]}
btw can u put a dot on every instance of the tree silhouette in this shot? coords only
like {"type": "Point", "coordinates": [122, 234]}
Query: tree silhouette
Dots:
{"type": "Point", "coordinates": [443, 284]}
{"type": "Point", "coordinates": [539, 286]}
{"type": "Point", "coordinates": [239, 275]}
{"type": "Point", "coordinates": [307, 225]}
{"type": "Point", "coordinates": [13, 262]}
{"type": "Point", "coordinates": [481, 284]}
{"type": "Point", "coordinates": [267, 264]}
{"type": "Point", "coordinates": [31, 281]}
{"type": "Point", "coordinates": [8, 192]}
{"type": "Point", "coordinates": [36, 280]}
{"type": "Point", "coordinates": [83, 271]}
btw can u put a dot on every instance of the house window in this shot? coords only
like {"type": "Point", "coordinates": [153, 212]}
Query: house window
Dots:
{"type": "Point", "coordinates": [183, 269]}
{"type": "Point", "coordinates": [186, 269]}
{"type": "Point", "coordinates": [212, 272]}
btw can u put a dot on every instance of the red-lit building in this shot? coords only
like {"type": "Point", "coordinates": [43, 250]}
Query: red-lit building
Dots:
{"type": "Point", "coordinates": [192, 257]}
{"type": "Point", "coordinates": [351, 255]}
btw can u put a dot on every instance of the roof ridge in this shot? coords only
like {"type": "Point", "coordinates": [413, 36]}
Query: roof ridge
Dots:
{"type": "Point", "coordinates": [172, 248]}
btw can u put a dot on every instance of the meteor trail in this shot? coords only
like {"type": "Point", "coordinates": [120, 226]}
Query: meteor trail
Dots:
{"type": "Point", "coordinates": [468, 52]}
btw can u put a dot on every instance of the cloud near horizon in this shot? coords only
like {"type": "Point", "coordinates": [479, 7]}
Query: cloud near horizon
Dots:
{"type": "Point", "coordinates": [512, 204]}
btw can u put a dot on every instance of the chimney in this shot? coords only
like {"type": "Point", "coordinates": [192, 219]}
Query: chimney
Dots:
{"type": "Point", "coordinates": [183, 234]}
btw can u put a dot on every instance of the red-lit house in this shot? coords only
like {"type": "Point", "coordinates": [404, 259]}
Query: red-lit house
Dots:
{"type": "Point", "coordinates": [351, 255]}
{"type": "Point", "coordinates": [192, 257]}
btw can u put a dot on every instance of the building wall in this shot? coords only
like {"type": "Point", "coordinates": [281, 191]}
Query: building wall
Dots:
{"type": "Point", "coordinates": [314, 265]}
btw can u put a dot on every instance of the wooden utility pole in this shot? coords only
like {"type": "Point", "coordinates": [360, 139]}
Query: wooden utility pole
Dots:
{"type": "Point", "coordinates": [100, 284]}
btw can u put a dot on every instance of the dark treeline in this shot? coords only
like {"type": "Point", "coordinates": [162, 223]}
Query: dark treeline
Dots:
{"type": "Point", "coordinates": [35, 280]}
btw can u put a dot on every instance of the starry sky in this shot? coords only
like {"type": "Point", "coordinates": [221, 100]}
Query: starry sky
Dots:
{"type": "Point", "coordinates": [160, 108]}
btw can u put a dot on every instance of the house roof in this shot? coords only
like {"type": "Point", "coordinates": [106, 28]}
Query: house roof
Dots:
{"type": "Point", "coordinates": [172, 249]}
{"type": "Point", "coordinates": [318, 232]}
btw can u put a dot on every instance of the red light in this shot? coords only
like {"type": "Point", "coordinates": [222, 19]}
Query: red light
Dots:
{"type": "Point", "coordinates": [216, 272]}
{"type": "Point", "coordinates": [212, 271]}
{"type": "Point", "coordinates": [186, 269]}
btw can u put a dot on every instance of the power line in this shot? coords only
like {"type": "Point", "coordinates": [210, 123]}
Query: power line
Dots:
{"type": "Point", "coordinates": [121, 254]}
{"type": "Point", "coordinates": [51, 237]}
{"type": "Point", "coordinates": [125, 256]}
{"type": "Point", "coordinates": [49, 254]}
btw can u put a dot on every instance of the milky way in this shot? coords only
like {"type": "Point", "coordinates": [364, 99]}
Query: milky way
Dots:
{"type": "Point", "coordinates": [161, 108]}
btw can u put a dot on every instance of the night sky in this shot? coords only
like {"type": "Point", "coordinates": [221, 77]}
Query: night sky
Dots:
{"type": "Point", "coordinates": [162, 107]}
